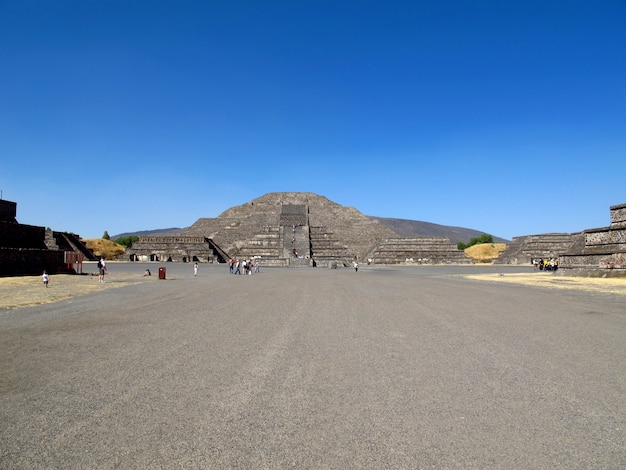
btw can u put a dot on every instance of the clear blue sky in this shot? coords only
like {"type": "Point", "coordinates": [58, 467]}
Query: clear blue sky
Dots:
{"type": "Point", "coordinates": [127, 115]}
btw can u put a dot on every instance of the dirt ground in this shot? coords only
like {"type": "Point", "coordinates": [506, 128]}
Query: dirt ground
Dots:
{"type": "Point", "coordinates": [390, 367]}
{"type": "Point", "coordinates": [24, 291]}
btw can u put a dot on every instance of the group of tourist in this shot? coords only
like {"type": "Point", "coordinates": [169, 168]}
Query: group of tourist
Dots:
{"type": "Point", "coordinates": [245, 266]}
{"type": "Point", "coordinates": [546, 264]}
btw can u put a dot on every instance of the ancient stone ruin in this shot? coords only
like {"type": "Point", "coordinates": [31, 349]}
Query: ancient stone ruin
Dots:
{"type": "Point", "coordinates": [524, 249]}
{"type": "Point", "coordinates": [294, 229]}
{"type": "Point", "coordinates": [601, 251]}
{"type": "Point", "coordinates": [303, 229]}
{"type": "Point", "coordinates": [427, 250]}
{"type": "Point", "coordinates": [592, 252]}
{"type": "Point", "coordinates": [29, 249]}
{"type": "Point", "coordinates": [175, 248]}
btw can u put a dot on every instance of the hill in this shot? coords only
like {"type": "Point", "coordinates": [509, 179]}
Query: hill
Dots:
{"type": "Point", "coordinates": [485, 252]}
{"type": "Point", "coordinates": [107, 249]}
{"type": "Point", "coordinates": [161, 232]}
{"type": "Point", "coordinates": [416, 229]}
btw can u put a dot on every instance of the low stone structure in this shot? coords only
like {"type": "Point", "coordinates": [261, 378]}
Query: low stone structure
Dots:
{"type": "Point", "coordinates": [431, 250]}
{"type": "Point", "coordinates": [29, 249]}
{"type": "Point", "coordinates": [178, 248]}
{"type": "Point", "coordinates": [524, 249]}
{"type": "Point", "coordinates": [602, 251]}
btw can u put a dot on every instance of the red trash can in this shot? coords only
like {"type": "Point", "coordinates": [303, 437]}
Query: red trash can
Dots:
{"type": "Point", "coordinates": [161, 273]}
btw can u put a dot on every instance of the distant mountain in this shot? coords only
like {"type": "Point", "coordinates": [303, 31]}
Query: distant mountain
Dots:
{"type": "Point", "coordinates": [160, 232]}
{"type": "Point", "coordinates": [416, 229]}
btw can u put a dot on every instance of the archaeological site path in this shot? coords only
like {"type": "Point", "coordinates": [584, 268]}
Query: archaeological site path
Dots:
{"type": "Point", "coordinates": [315, 368]}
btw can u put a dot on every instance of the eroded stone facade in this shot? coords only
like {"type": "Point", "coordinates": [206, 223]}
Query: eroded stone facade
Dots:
{"type": "Point", "coordinates": [524, 249]}
{"type": "Point", "coordinates": [300, 229]}
{"type": "Point", "coordinates": [29, 249]}
{"type": "Point", "coordinates": [603, 252]}
{"type": "Point", "coordinates": [174, 249]}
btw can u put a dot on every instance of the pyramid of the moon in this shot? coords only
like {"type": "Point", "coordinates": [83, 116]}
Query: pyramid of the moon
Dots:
{"type": "Point", "coordinates": [302, 228]}
{"type": "Point", "coordinates": [294, 229]}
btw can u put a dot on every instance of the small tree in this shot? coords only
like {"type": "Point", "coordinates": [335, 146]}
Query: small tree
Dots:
{"type": "Point", "coordinates": [484, 238]}
{"type": "Point", "coordinates": [106, 236]}
{"type": "Point", "coordinates": [127, 241]}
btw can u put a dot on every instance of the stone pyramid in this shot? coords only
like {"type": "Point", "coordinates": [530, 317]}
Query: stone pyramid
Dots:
{"type": "Point", "coordinates": [279, 225]}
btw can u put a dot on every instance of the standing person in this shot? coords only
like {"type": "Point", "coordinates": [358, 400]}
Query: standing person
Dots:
{"type": "Point", "coordinates": [237, 267]}
{"type": "Point", "coordinates": [102, 270]}
{"type": "Point", "coordinates": [195, 269]}
{"type": "Point", "coordinates": [356, 267]}
{"type": "Point", "coordinates": [45, 278]}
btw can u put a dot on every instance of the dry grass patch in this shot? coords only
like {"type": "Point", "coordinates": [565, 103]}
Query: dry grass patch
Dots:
{"type": "Point", "coordinates": [485, 252]}
{"type": "Point", "coordinates": [24, 291]}
{"type": "Point", "coordinates": [549, 280]}
{"type": "Point", "coordinates": [105, 248]}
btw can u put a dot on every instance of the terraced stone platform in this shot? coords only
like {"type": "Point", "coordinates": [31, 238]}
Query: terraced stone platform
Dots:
{"type": "Point", "coordinates": [524, 249]}
{"type": "Point", "coordinates": [175, 249]}
{"type": "Point", "coordinates": [418, 250]}
{"type": "Point", "coordinates": [602, 251]}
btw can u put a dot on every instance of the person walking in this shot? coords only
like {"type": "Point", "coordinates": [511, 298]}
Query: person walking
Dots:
{"type": "Point", "coordinates": [45, 278]}
{"type": "Point", "coordinates": [195, 270]}
{"type": "Point", "coordinates": [356, 267]}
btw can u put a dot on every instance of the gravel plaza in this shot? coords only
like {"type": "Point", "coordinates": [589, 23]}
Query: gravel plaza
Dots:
{"type": "Point", "coordinates": [390, 367]}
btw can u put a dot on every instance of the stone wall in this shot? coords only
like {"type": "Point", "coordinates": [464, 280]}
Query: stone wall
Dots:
{"type": "Point", "coordinates": [618, 216]}
{"type": "Point", "coordinates": [23, 250]}
{"type": "Point", "coordinates": [70, 242]}
{"type": "Point", "coordinates": [603, 252]}
{"type": "Point", "coordinates": [294, 214]}
{"type": "Point", "coordinates": [326, 249]}
{"type": "Point", "coordinates": [31, 262]}
{"type": "Point", "coordinates": [525, 248]}
{"type": "Point", "coordinates": [28, 250]}
{"type": "Point", "coordinates": [173, 249]}
{"type": "Point", "coordinates": [419, 251]}
{"type": "Point", "coordinates": [613, 237]}
{"type": "Point", "coordinates": [172, 240]}
{"type": "Point", "coordinates": [22, 236]}
{"type": "Point", "coordinates": [8, 211]}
